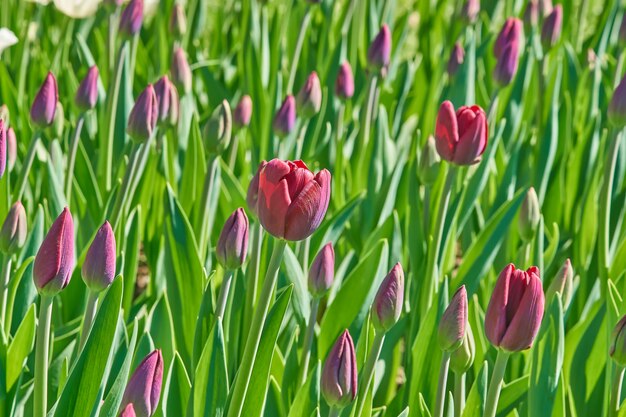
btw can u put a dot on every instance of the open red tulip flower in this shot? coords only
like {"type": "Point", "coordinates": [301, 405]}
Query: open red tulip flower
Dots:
{"type": "Point", "coordinates": [461, 136]}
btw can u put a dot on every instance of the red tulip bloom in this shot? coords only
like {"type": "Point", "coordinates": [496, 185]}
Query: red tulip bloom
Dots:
{"type": "Point", "coordinates": [461, 137]}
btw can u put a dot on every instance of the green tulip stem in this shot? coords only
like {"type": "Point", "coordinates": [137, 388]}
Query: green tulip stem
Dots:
{"type": "Point", "coordinates": [296, 53]}
{"type": "Point", "coordinates": [4, 291]}
{"type": "Point", "coordinates": [364, 135]}
{"type": "Point", "coordinates": [618, 378]}
{"type": "Point", "coordinates": [71, 159]}
{"type": "Point", "coordinates": [222, 299]}
{"type": "Point", "coordinates": [140, 166]}
{"type": "Point", "coordinates": [133, 57]}
{"type": "Point", "coordinates": [41, 357]}
{"type": "Point", "coordinates": [90, 314]}
{"type": "Point", "coordinates": [368, 371]}
{"type": "Point", "coordinates": [441, 385]}
{"type": "Point", "coordinates": [495, 385]}
{"type": "Point", "coordinates": [308, 341]}
{"type": "Point", "coordinates": [339, 161]}
{"type": "Point", "coordinates": [254, 335]}
{"type": "Point", "coordinates": [334, 412]}
{"type": "Point", "coordinates": [114, 216]}
{"type": "Point", "coordinates": [111, 39]}
{"type": "Point", "coordinates": [209, 186]}
{"type": "Point", "coordinates": [252, 273]}
{"type": "Point", "coordinates": [232, 157]}
{"type": "Point", "coordinates": [26, 166]}
{"type": "Point", "coordinates": [459, 393]}
{"type": "Point", "coordinates": [604, 230]}
{"type": "Point", "coordinates": [300, 139]}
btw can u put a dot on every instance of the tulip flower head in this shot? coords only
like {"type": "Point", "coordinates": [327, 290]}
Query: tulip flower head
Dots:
{"type": "Point", "coordinates": [429, 162]}
{"type": "Point", "coordinates": [461, 360]}
{"type": "Point", "coordinates": [144, 387]}
{"type": "Point", "coordinates": [456, 59]}
{"type": "Point", "coordinates": [252, 196]}
{"type": "Point", "coordinates": [11, 148]}
{"type": "Point", "coordinates": [512, 31]}
{"type": "Point", "coordinates": [98, 270]}
{"type": "Point", "coordinates": [507, 64]}
{"type": "Point", "coordinates": [309, 99]}
{"type": "Point", "coordinates": [551, 29]}
{"type": "Point", "coordinates": [128, 411]}
{"type": "Point", "coordinates": [143, 117]}
{"type": "Point", "coordinates": [243, 112]}
{"type": "Point", "coordinates": [55, 261]}
{"type": "Point", "coordinates": [379, 52]}
{"type": "Point", "coordinates": [167, 99]}
{"type": "Point", "coordinates": [217, 130]}
{"type": "Point", "coordinates": [13, 232]}
{"type": "Point", "coordinates": [87, 94]}
{"type": "Point", "coordinates": [339, 376]}
{"type": "Point", "coordinates": [232, 245]}
{"type": "Point", "coordinates": [387, 306]}
{"type": "Point", "coordinates": [285, 118]}
{"type": "Point", "coordinates": [617, 350]}
{"type": "Point", "coordinates": [515, 309]}
{"type": "Point", "coordinates": [132, 18]}
{"type": "Point", "coordinates": [344, 84]}
{"type": "Point", "coordinates": [470, 10]}
{"type": "Point", "coordinates": [180, 70]}
{"type": "Point", "coordinates": [322, 271]}
{"type": "Point", "coordinates": [453, 322]}
{"type": "Point", "coordinates": [461, 137]}
{"type": "Point", "coordinates": [529, 216]}
{"type": "Point", "coordinates": [617, 106]}
{"type": "Point", "coordinates": [45, 103]}
{"type": "Point", "coordinates": [178, 21]}
{"type": "Point", "coordinates": [292, 201]}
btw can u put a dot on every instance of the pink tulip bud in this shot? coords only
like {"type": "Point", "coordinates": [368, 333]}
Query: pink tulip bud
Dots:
{"type": "Point", "coordinates": [461, 137]}
{"type": "Point", "coordinates": [454, 322]}
{"type": "Point", "coordinates": [285, 118]}
{"type": "Point", "coordinates": [87, 93]}
{"type": "Point", "coordinates": [99, 267]}
{"type": "Point", "coordinates": [253, 190]}
{"type": "Point", "coordinates": [617, 106]}
{"type": "Point", "coordinates": [387, 306]}
{"type": "Point", "coordinates": [143, 116]}
{"type": "Point", "coordinates": [45, 104]}
{"type": "Point", "coordinates": [531, 14]}
{"type": "Point", "coordinates": [13, 232]}
{"type": "Point", "coordinates": [322, 271]}
{"type": "Point", "coordinates": [178, 21]}
{"type": "Point", "coordinates": [243, 112]}
{"type": "Point", "coordinates": [309, 99]}
{"type": "Point", "coordinates": [144, 387]}
{"type": "Point", "coordinates": [292, 201]}
{"type": "Point", "coordinates": [562, 284]}
{"type": "Point", "coordinates": [551, 29]}
{"type": "Point", "coordinates": [339, 376]}
{"type": "Point", "coordinates": [379, 52]}
{"type": "Point", "coordinates": [11, 148]}
{"type": "Point", "coordinates": [232, 245]}
{"type": "Point", "coordinates": [3, 148]}
{"type": "Point", "coordinates": [512, 31]}
{"type": "Point", "coordinates": [181, 72]}
{"type": "Point", "coordinates": [55, 261]}
{"type": "Point", "coordinates": [132, 18]}
{"type": "Point", "coordinates": [461, 360]}
{"type": "Point", "coordinates": [344, 84]}
{"type": "Point", "coordinates": [515, 310]}
{"type": "Point", "coordinates": [529, 216]}
{"type": "Point", "coordinates": [456, 59]}
{"type": "Point", "coordinates": [167, 99]}
{"type": "Point", "coordinates": [617, 350]}
{"type": "Point", "coordinates": [470, 10]}
{"type": "Point", "coordinates": [506, 67]}
{"type": "Point", "coordinates": [129, 411]}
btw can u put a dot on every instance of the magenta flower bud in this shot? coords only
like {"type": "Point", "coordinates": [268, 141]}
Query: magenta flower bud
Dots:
{"type": "Point", "coordinates": [617, 350]}
{"type": "Point", "coordinates": [551, 29]}
{"type": "Point", "coordinates": [232, 245]}
{"type": "Point", "coordinates": [144, 387]}
{"type": "Point", "coordinates": [379, 52]}
{"type": "Point", "coordinates": [470, 10]}
{"type": "Point", "coordinates": [13, 232]}
{"type": "Point", "coordinates": [128, 411]}
{"type": "Point", "coordinates": [285, 118]}
{"type": "Point", "coordinates": [344, 84]}
{"type": "Point", "coordinates": [252, 196]}
{"type": "Point", "coordinates": [515, 309]}
{"type": "Point", "coordinates": [339, 376]}
{"type": "Point", "coordinates": [167, 99]}
{"type": "Point", "coordinates": [87, 93]}
{"type": "Point", "coordinates": [461, 137]}
{"type": "Point", "coordinates": [55, 261]}
{"type": "Point", "coordinates": [531, 14]}
{"type": "Point", "coordinates": [132, 18]}
{"type": "Point", "coordinates": [456, 59]}
{"type": "Point", "coordinates": [453, 322]}
{"type": "Point", "coordinates": [506, 67]}
{"type": "Point", "coordinates": [3, 148]}
{"type": "Point", "coordinates": [309, 99]}
{"type": "Point", "coordinates": [322, 271]}
{"type": "Point", "coordinates": [11, 148]}
{"type": "Point", "coordinates": [143, 116]}
{"type": "Point", "coordinates": [292, 201]}
{"type": "Point", "coordinates": [178, 21]}
{"type": "Point", "coordinates": [243, 112]}
{"type": "Point", "coordinates": [389, 300]}
{"type": "Point", "coordinates": [45, 104]}
{"type": "Point", "coordinates": [99, 267]}
{"type": "Point", "coordinates": [181, 72]}
{"type": "Point", "coordinates": [512, 31]}
{"type": "Point", "coordinates": [617, 106]}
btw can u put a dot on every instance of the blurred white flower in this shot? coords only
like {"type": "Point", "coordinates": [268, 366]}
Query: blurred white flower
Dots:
{"type": "Point", "coordinates": [77, 9]}
{"type": "Point", "coordinates": [44, 2]}
{"type": "Point", "coordinates": [7, 38]}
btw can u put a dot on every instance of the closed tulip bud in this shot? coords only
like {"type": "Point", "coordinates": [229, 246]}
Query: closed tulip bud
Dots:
{"type": "Point", "coordinates": [529, 216]}
{"type": "Point", "coordinates": [99, 267]}
{"type": "Point", "coordinates": [87, 94]}
{"type": "Point", "coordinates": [622, 31]}
{"type": "Point", "coordinates": [13, 232]}
{"type": "Point", "coordinates": [551, 29]}
{"type": "Point", "coordinates": [285, 118]}
{"type": "Point", "coordinates": [512, 31]}
{"type": "Point", "coordinates": [59, 121]}
{"type": "Point", "coordinates": [292, 201]}
{"type": "Point", "coordinates": [515, 309]}
{"type": "Point", "coordinates": [232, 245]}
{"type": "Point", "coordinates": [3, 148]}
{"type": "Point", "coordinates": [387, 306]}
{"type": "Point", "coordinates": [339, 376]}
{"type": "Point", "coordinates": [144, 387]}
{"type": "Point", "coordinates": [456, 59]}
{"type": "Point", "coordinates": [218, 129]}
{"type": "Point", "coordinates": [617, 106]}
{"type": "Point", "coordinates": [461, 137]}
{"type": "Point", "coordinates": [461, 360]}
{"type": "Point", "coordinates": [429, 162]}
{"type": "Point", "coordinates": [252, 196]}
{"type": "Point", "coordinates": [506, 67]}
{"type": "Point", "coordinates": [178, 21]}
{"type": "Point", "coordinates": [617, 350]}
{"type": "Point", "coordinates": [11, 148]}
{"type": "Point", "coordinates": [379, 52]}
{"type": "Point", "coordinates": [132, 18]}
{"type": "Point", "coordinates": [128, 411]}
{"type": "Point", "coordinates": [309, 99]}
{"type": "Point", "coordinates": [453, 322]}
{"type": "Point", "coordinates": [322, 271]}
{"type": "Point", "coordinates": [45, 104]}
{"type": "Point", "coordinates": [470, 10]}
{"type": "Point", "coordinates": [243, 112]}
{"type": "Point", "coordinates": [55, 261]}
{"type": "Point", "coordinates": [181, 72]}
{"type": "Point", "coordinates": [531, 14]}
{"type": "Point", "coordinates": [563, 283]}
{"type": "Point", "coordinates": [344, 84]}
{"type": "Point", "coordinates": [167, 99]}
{"type": "Point", "coordinates": [143, 117]}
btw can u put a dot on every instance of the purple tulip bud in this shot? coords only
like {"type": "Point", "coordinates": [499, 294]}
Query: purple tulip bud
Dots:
{"type": "Point", "coordinates": [515, 309]}
{"type": "Point", "coordinates": [232, 245]}
{"type": "Point", "coordinates": [322, 271]}
{"type": "Point", "coordinates": [506, 67]}
{"type": "Point", "coordinates": [3, 148]}
{"type": "Point", "coordinates": [181, 72]}
{"type": "Point", "coordinates": [531, 14]}
{"type": "Point", "coordinates": [99, 267]}
{"type": "Point", "coordinates": [456, 59]}
{"type": "Point", "coordinates": [453, 322]}
{"type": "Point", "coordinates": [551, 29]}
{"type": "Point", "coordinates": [45, 104]}
{"type": "Point", "coordinates": [167, 99]}
{"type": "Point", "coordinates": [344, 85]}
{"type": "Point", "coordinates": [143, 116]}
{"type": "Point", "coordinates": [529, 215]}
{"type": "Point", "coordinates": [562, 284]}
{"type": "Point", "coordinates": [178, 21]}
{"type": "Point", "coordinates": [461, 360]}
{"type": "Point", "coordinates": [617, 106]}
{"type": "Point", "coordinates": [129, 411]}
{"type": "Point", "coordinates": [55, 261]}
{"type": "Point", "coordinates": [389, 300]}
{"type": "Point", "coordinates": [429, 162]}
{"type": "Point", "coordinates": [617, 350]}
{"type": "Point", "coordinates": [309, 99]}
{"type": "Point", "coordinates": [132, 18]}
{"type": "Point", "coordinates": [470, 10]}
{"type": "Point", "coordinates": [243, 112]}
{"type": "Point", "coordinates": [87, 93]}
{"type": "Point", "coordinates": [144, 387]}
{"type": "Point", "coordinates": [512, 31]}
{"type": "Point", "coordinates": [379, 52]}
{"type": "Point", "coordinates": [253, 190]}
{"type": "Point", "coordinates": [11, 148]}
{"type": "Point", "coordinates": [339, 376]}
{"type": "Point", "coordinates": [285, 118]}
{"type": "Point", "coordinates": [13, 232]}
{"type": "Point", "coordinates": [461, 137]}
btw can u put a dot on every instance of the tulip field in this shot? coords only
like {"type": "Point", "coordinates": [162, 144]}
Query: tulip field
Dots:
{"type": "Point", "coordinates": [312, 208]}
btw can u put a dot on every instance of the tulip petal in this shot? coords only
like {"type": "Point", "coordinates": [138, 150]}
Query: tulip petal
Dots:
{"type": "Point", "coordinates": [495, 317]}
{"type": "Point", "coordinates": [296, 180]}
{"type": "Point", "coordinates": [306, 212]}
{"type": "Point", "coordinates": [472, 142]}
{"type": "Point", "coordinates": [446, 131]}
{"type": "Point", "coordinates": [273, 205]}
